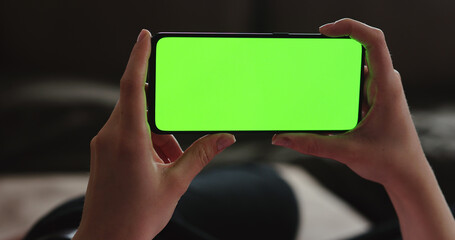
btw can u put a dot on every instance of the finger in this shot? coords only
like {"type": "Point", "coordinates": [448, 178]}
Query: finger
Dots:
{"type": "Point", "coordinates": [161, 155]}
{"type": "Point", "coordinates": [132, 94]}
{"type": "Point", "coordinates": [198, 155]}
{"type": "Point", "coordinates": [313, 144]}
{"type": "Point", "coordinates": [365, 107]}
{"type": "Point", "coordinates": [167, 147]}
{"type": "Point", "coordinates": [365, 102]}
{"type": "Point", "coordinates": [146, 89]}
{"type": "Point", "coordinates": [378, 56]}
{"type": "Point", "coordinates": [366, 80]}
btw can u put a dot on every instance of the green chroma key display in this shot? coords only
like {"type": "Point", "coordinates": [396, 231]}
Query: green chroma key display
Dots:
{"type": "Point", "coordinates": [263, 82]}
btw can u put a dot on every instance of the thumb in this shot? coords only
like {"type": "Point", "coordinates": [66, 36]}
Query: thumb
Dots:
{"type": "Point", "coordinates": [198, 155]}
{"type": "Point", "coordinates": [335, 147]}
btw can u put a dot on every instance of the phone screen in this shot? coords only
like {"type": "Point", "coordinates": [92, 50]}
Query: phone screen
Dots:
{"type": "Point", "coordinates": [229, 83]}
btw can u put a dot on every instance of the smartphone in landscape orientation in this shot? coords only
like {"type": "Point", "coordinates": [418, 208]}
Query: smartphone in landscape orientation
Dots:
{"type": "Point", "coordinates": [254, 82]}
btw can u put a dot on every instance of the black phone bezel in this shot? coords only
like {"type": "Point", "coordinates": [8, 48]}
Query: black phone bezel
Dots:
{"type": "Point", "coordinates": [151, 77]}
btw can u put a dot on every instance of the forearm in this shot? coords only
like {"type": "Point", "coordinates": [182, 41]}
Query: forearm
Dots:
{"type": "Point", "coordinates": [422, 210]}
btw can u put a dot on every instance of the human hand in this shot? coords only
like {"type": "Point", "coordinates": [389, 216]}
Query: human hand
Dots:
{"type": "Point", "coordinates": [382, 144]}
{"type": "Point", "coordinates": [384, 147]}
{"type": "Point", "coordinates": [137, 177]}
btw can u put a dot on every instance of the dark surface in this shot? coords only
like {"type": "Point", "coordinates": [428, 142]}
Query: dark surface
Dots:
{"type": "Point", "coordinates": [225, 203]}
{"type": "Point", "coordinates": [61, 62]}
{"type": "Point", "coordinates": [93, 39]}
{"type": "Point", "coordinates": [58, 58]}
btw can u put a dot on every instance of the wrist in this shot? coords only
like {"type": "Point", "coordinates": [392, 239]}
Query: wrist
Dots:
{"type": "Point", "coordinates": [406, 167]}
{"type": "Point", "coordinates": [420, 204]}
{"type": "Point", "coordinates": [411, 176]}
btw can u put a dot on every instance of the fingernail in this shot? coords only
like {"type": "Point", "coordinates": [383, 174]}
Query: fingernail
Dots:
{"type": "Point", "coordinates": [281, 141]}
{"type": "Point", "coordinates": [143, 34]}
{"type": "Point", "coordinates": [224, 142]}
{"type": "Point", "coordinates": [327, 25]}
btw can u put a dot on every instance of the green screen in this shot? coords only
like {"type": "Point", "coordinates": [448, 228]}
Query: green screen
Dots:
{"type": "Point", "coordinates": [257, 84]}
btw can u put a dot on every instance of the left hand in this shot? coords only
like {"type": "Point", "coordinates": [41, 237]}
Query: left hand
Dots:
{"type": "Point", "coordinates": [137, 178]}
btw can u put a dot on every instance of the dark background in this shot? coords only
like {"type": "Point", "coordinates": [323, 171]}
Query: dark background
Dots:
{"type": "Point", "coordinates": [92, 39]}
{"type": "Point", "coordinates": [61, 61]}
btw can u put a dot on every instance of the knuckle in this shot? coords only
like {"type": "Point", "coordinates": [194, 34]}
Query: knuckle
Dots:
{"type": "Point", "coordinates": [347, 21]}
{"type": "Point", "coordinates": [395, 91]}
{"type": "Point", "coordinates": [347, 24]}
{"type": "Point", "coordinates": [378, 36]}
{"type": "Point", "coordinates": [311, 146]}
{"type": "Point", "coordinates": [379, 33]}
{"type": "Point", "coordinates": [204, 155]}
{"type": "Point", "coordinates": [94, 142]}
{"type": "Point", "coordinates": [397, 74]}
{"type": "Point", "coordinates": [102, 137]}
{"type": "Point", "coordinates": [127, 83]}
{"type": "Point", "coordinates": [99, 142]}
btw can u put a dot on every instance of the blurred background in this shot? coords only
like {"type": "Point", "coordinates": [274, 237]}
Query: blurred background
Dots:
{"type": "Point", "coordinates": [61, 62]}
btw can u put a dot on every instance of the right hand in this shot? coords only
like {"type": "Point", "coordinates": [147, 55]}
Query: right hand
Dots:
{"type": "Point", "coordinates": [384, 146]}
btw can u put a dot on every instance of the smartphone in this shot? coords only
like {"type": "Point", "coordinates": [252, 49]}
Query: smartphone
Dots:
{"type": "Point", "coordinates": [254, 82]}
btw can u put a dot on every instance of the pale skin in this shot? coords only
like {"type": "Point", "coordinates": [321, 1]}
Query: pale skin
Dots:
{"type": "Point", "coordinates": [137, 177]}
{"type": "Point", "coordinates": [384, 147]}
